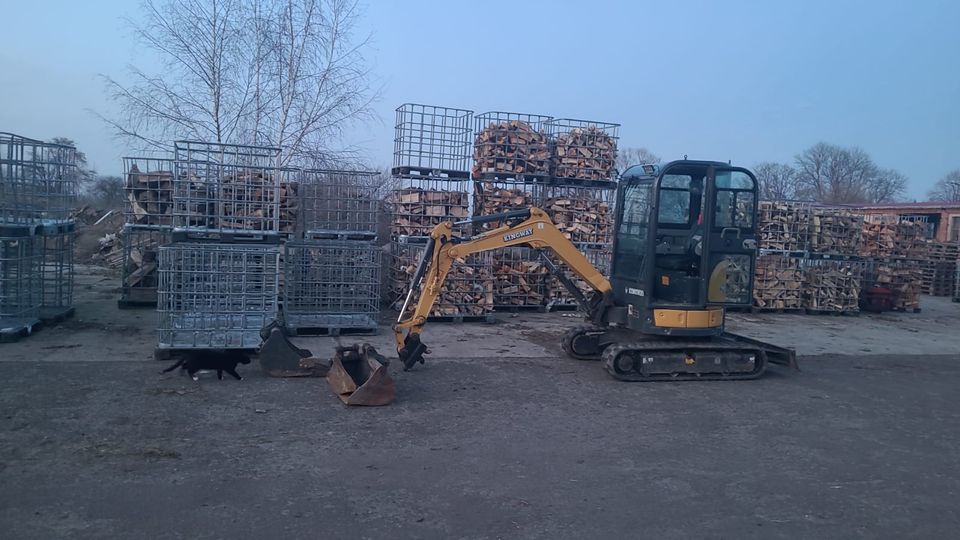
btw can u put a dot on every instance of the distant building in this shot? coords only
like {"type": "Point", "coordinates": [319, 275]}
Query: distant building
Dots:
{"type": "Point", "coordinates": [942, 219]}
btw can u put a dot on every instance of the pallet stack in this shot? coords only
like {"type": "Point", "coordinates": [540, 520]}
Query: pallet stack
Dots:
{"type": "Point", "coordinates": [939, 268]}
{"type": "Point", "coordinates": [148, 226]}
{"type": "Point", "coordinates": [218, 281]}
{"type": "Point", "coordinates": [431, 185]}
{"type": "Point", "coordinates": [39, 184]}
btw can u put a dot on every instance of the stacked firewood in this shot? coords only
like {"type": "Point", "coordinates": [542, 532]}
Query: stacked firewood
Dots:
{"type": "Point", "coordinates": [248, 200]}
{"type": "Point", "coordinates": [520, 279]}
{"type": "Point", "coordinates": [581, 219]}
{"type": "Point", "coordinates": [893, 238]}
{"type": "Point", "coordinates": [585, 154]}
{"type": "Point", "coordinates": [289, 206]}
{"type": "Point", "coordinates": [467, 291]}
{"type": "Point", "coordinates": [783, 226]}
{"type": "Point", "coordinates": [415, 211]}
{"type": "Point", "coordinates": [140, 266]}
{"type": "Point", "coordinates": [903, 278]}
{"type": "Point", "coordinates": [832, 286]}
{"type": "Point", "coordinates": [778, 283]}
{"type": "Point", "coordinates": [150, 195]}
{"type": "Point", "coordinates": [835, 231]}
{"type": "Point", "coordinates": [496, 199]}
{"type": "Point", "coordinates": [559, 295]}
{"type": "Point", "coordinates": [510, 148]}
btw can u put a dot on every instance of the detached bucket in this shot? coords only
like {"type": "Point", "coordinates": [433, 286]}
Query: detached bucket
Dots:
{"type": "Point", "coordinates": [359, 376]}
{"type": "Point", "coordinates": [280, 358]}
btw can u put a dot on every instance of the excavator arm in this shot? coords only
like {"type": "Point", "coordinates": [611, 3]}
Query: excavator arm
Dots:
{"type": "Point", "coordinates": [531, 227]}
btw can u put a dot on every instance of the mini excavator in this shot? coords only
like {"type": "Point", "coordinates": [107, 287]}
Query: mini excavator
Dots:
{"type": "Point", "coordinates": [684, 249]}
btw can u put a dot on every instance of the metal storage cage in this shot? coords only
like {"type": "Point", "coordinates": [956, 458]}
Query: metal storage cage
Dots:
{"type": "Point", "coordinates": [417, 205]}
{"type": "Point", "coordinates": [778, 282]}
{"type": "Point", "coordinates": [140, 268]}
{"type": "Point", "coordinates": [835, 231]}
{"type": "Point", "coordinates": [331, 285]}
{"type": "Point", "coordinates": [521, 279]}
{"type": "Point", "coordinates": [583, 214]}
{"type": "Point", "coordinates": [432, 141]}
{"type": "Point", "coordinates": [511, 145]}
{"type": "Point", "coordinates": [340, 204]}
{"type": "Point", "coordinates": [226, 187]}
{"type": "Point", "coordinates": [38, 180]}
{"type": "Point", "coordinates": [503, 195]}
{"type": "Point", "coordinates": [559, 296]}
{"type": "Point", "coordinates": [832, 285]}
{"type": "Point", "coordinates": [56, 274]}
{"type": "Point", "coordinates": [584, 151]}
{"type": "Point", "coordinates": [149, 189]}
{"type": "Point", "coordinates": [216, 296]}
{"type": "Point", "coordinates": [20, 290]}
{"type": "Point", "coordinates": [783, 226]}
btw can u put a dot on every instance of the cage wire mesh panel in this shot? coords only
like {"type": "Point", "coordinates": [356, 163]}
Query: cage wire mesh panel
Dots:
{"type": "Point", "coordinates": [778, 282]}
{"type": "Point", "coordinates": [504, 195]}
{"type": "Point", "coordinates": [511, 145]}
{"type": "Point", "coordinates": [291, 205]}
{"type": "Point", "coordinates": [583, 150]}
{"type": "Point", "coordinates": [56, 274]}
{"type": "Point", "coordinates": [38, 181]}
{"type": "Point", "coordinates": [466, 293]}
{"type": "Point", "coordinates": [216, 295]}
{"type": "Point", "coordinates": [332, 284]}
{"type": "Point", "coordinates": [891, 236]}
{"type": "Point", "coordinates": [226, 187]}
{"type": "Point", "coordinates": [432, 140]}
{"type": "Point", "coordinates": [149, 190]}
{"type": "Point", "coordinates": [836, 231]}
{"type": "Point", "coordinates": [832, 285]}
{"type": "Point", "coordinates": [141, 260]}
{"type": "Point", "coordinates": [559, 297]}
{"type": "Point", "coordinates": [783, 225]}
{"type": "Point", "coordinates": [521, 279]}
{"type": "Point", "coordinates": [902, 277]}
{"type": "Point", "coordinates": [20, 289]}
{"type": "Point", "coordinates": [583, 214]}
{"type": "Point", "coordinates": [420, 204]}
{"type": "Point", "coordinates": [340, 203]}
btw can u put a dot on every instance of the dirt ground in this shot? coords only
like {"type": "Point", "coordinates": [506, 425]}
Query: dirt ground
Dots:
{"type": "Point", "coordinates": [497, 436]}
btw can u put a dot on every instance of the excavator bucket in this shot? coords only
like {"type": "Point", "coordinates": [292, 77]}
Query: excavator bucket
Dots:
{"type": "Point", "coordinates": [280, 358]}
{"type": "Point", "coordinates": [359, 376]}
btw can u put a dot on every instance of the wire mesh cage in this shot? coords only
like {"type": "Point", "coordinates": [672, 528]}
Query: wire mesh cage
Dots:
{"type": "Point", "coordinates": [583, 214]}
{"type": "Point", "coordinates": [559, 297]}
{"type": "Point", "coordinates": [521, 279]}
{"type": "Point", "coordinates": [904, 278]}
{"type": "Point", "coordinates": [149, 190]}
{"type": "Point", "coordinates": [216, 296]}
{"type": "Point", "coordinates": [340, 203]}
{"type": "Point", "coordinates": [467, 293]}
{"type": "Point", "coordinates": [291, 220]}
{"type": "Point", "coordinates": [419, 205]}
{"type": "Point", "coordinates": [511, 145]}
{"type": "Point", "coordinates": [38, 180]}
{"type": "Point", "coordinates": [783, 225]}
{"type": "Point", "coordinates": [140, 273]}
{"type": "Point", "coordinates": [432, 141]}
{"type": "Point", "coordinates": [888, 235]}
{"type": "Point", "coordinates": [583, 150]}
{"type": "Point", "coordinates": [226, 187]}
{"type": "Point", "coordinates": [836, 231]}
{"type": "Point", "coordinates": [20, 289]}
{"type": "Point", "coordinates": [331, 284]}
{"type": "Point", "coordinates": [778, 283]}
{"type": "Point", "coordinates": [56, 275]}
{"type": "Point", "coordinates": [503, 195]}
{"type": "Point", "coordinates": [832, 285]}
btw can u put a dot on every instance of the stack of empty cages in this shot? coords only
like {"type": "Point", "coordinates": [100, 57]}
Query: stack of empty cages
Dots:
{"type": "Point", "coordinates": [581, 193]}
{"type": "Point", "coordinates": [511, 171]}
{"type": "Point", "coordinates": [219, 277]}
{"type": "Point", "coordinates": [38, 191]}
{"type": "Point", "coordinates": [149, 224]}
{"type": "Point", "coordinates": [833, 267]}
{"type": "Point", "coordinates": [331, 277]}
{"type": "Point", "coordinates": [431, 185]}
{"type": "Point", "coordinates": [783, 236]}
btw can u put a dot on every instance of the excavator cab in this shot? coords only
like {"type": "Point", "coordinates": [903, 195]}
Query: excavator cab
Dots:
{"type": "Point", "coordinates": [684, 246]}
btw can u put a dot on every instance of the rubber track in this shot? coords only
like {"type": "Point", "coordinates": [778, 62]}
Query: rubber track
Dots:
{"type": "Point", "coordinates": [613, 351]}
{"type": "Point", "coordinates": [569, 335]}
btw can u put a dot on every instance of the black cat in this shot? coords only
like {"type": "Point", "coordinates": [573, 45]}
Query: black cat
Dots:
{"type": "Point", "coordinates": [195, 361]}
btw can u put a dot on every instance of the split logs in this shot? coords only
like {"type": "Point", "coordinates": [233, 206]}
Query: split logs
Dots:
{"type": "Point", "coordinates": [150, 196]}
{"type": "Point", "coordinates": [289, 206]}
{"type": "Point", "coordinates": [467, 291]}
{"type": "Point", "coordinates": [248, 200]}
{"type": "Point", "coordinates": [783, 226]}
{"type": "Point", "coordinates": [778, 283]}
{"type": "Point", "coordinates": [584, 154]}
{"type": "Point", "coordinates": [521, 280]}
{"type": "Point", "coordinates": [902, 278]}
{"type": "Point", "coordinates": [893, 238]}
{"type": "Point", "coordinates": [581, 217]}
{"type": "Point", "coordinates": [510, 148]}
{"type": "Point", "coordinates": [415, 211]}
{"type": "Point", "coordinates": [832, 286]}
{"type": "Point", "coordinates": [495, 199]}
{"type": "Point", "coordinates": [835, 231]}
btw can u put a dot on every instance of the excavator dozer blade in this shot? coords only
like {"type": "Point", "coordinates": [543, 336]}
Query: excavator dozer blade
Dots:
{"type": "Point", "coordinates": [359, 376]}
{"type": "Point", "coordinates": [281, 358]}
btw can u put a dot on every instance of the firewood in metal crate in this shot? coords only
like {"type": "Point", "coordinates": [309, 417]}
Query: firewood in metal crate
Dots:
{"type": "Point", "coordinates": [903, 277]}
{"type": "Point", "coordinates": [889, 236]}
{"type": "Point", "coordinates": [249, 200]}
{"type": "Point", "coordinates": [835, 230]}
{"type": "Point", "coordinates": [778, 283]}
{"type": "Point", "coordinates": [496, 198]}
{"type": "Point", "coordinates": [582, 214]}
{"type": "Point", "coordinates": [587, 153]}
{"type": "Point", "coordinates": [831, 285]}
{"type": "Point", "coordinates": [783, 225]}
{"type": "Point", "coordinates": [289, 206]}
{"type": "Point", "coordinates": [149, 191]}
{"type": "Point", "coordinates": [510, 147]}
{"type": "Point", "coordinates": [467, 291]}
{"type": "Point", "coordinates": [559, 295]}
{"type": "Point", "coordinates": [141, 248]}
{"type": "Point", "coordinates": [416, 211]}
{"type": "Point", "coordinates": [521, 278]}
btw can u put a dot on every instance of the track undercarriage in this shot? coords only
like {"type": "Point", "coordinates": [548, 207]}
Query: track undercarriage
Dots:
{"type": "Point", "coordinates": [631, 356]}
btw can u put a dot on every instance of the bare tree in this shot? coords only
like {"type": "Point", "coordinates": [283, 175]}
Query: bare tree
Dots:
{"type": "Point", "coordinates": [105, 192]}
{"type": "Point", "coordinates": [834, 175]}
{"type": "Point", "coordinates": [634, 156]}
{"type": "Point", "coordinates": [284, 73]}
{"type": "Point", "coordinates": [947, 189]}
{"type": "Point", "coordinates": [778, 181]}
{"type": "Point", "coordinates": [886, 186]}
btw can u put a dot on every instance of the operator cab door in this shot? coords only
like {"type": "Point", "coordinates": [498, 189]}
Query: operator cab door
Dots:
{"type": "Point", "coordinates": [631, 240]}
{"type": "Point", "coordinates": [730, 245]}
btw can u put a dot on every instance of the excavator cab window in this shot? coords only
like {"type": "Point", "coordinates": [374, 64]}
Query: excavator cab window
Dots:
{"type": "Point", "coordinates": [632, 233]}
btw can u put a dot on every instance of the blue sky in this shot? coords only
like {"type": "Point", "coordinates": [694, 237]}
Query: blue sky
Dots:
{"type": "Point", "coordinates": [747, 81]}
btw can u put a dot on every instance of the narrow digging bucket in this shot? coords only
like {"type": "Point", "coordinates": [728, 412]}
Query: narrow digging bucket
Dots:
{"type": "Point", "coordinates": [358, 375]}
{"type": "Point", "coordinates": [281, 358]}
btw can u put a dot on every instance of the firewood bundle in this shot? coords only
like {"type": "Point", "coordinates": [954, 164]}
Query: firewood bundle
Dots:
{"type": "Point", "coordinates": [893, 238]}
{"type": "Point", "coordinates": [903, 278]}
{"type": "Point", "coordinates": [415, 211]}
{"type": "Point", "coordinates": [493, 199]}
{"type": "Point", "coordinates": [467, 291]}
{"type": "Point", "coordinates": [248, 200]}
{"type": "Point", "coordinates": [832, 286]}
{"type": "Point", "coordinates": [519, 282]}
{"type": "Point", "coordinates": [835, 231]}
{"type": "Point", "coordinates": [585, 154]}
{"type": "Point", "coordinates": [150, 196]}
{"type": "Point", "coordinates": [778, 283]}
{"type": "Point", "coordinates": [783, 226]}
{"type": "Point", "coordinates": [510, 148]}
{"type": "Point", "coordinates": [585, 219]}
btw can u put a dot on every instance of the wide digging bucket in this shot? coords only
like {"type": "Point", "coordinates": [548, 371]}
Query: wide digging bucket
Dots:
{"type": "Point", "coordinates": [281, 358]}
{"type": "Point", "coordinates": [358, 375]}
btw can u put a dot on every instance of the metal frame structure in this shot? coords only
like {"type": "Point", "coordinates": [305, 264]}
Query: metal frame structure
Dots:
{"type": "Point", "coordinates": [148, 184]}
{"type": "Point", "coordinates": [839, 294]}
{"type": "Point", "coordinates": [599, 256]}
{"type": "Point", "coordinates": [418, 205]}
{"type": "Point", "coordinates": [339, 203]}
{"type": "Point", "coordinates": [778, 282]}
{"type": "Point", "coordinates": [521, 279]}
{"type": "Point", "coordinates": [38, 180]}
{"type": "Point", "coordinates": [57, 274]}
{"type": "Point", "coordinates": [140, 273]}
{"type": "Point", "coordinates": [829, 223]}
{"type": "Point", "coordinates": [226, 187]}
{"type": "Point", "coordinates": [583, 214]}
{"type": "Point", "coordinates": [783, 226]}
{"type": "Point", "coordinates": [590, 150]}
{"type": "Point", "coordinates": [433, 141]}
{"type": "Point", "coordinates": [331, 284]}
{"type": "Point", "coordinates": [216, 296]}
{"type": "Point", "coordinates": [20, 288]}
{"type": "Point", "coordinates": [503, 159]}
